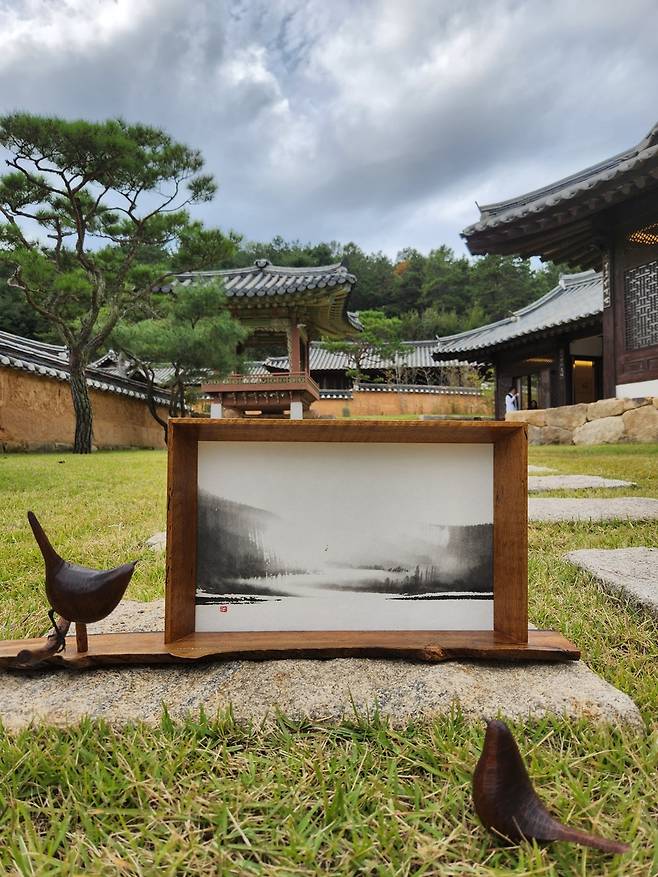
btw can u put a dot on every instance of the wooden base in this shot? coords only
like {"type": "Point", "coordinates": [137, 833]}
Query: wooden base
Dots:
{"type": "Point", "coordinates": [150, 648]}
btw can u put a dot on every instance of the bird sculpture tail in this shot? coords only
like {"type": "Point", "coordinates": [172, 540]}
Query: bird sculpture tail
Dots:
{"type": "Point", "coordinates": [51, 558]}
{"type": "Point", "coordinates": [574, 835]}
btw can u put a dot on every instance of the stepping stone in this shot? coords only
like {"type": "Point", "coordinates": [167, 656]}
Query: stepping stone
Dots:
{"type": "Point", "coordinates": [157, 541]}
{"type": "Point", "coordinates": [573, 482]}
{"type": "Point", "coordinates": [627, 508]}
{"type": "Point", "coordinates": [539, 470]}
{"type": "Point", "coordinates": [320, 690]}
{"type": "Point", "coordinates": [631, 572]}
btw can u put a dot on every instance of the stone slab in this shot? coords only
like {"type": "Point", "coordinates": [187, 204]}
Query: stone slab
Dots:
{"type": "Point", "coordinates": [636, 508]}
{"type": "Point", "coordinates": [158, 541]}
{"type": "Point", "coordinates": [632, 572]}
{"type": "Point", "coordinates": [319, 690]}
{"type": "Point", "coordinates": [573, 482]}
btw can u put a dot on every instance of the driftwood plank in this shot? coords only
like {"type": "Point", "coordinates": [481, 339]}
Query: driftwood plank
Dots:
{"type": "Point", "coordinates": [432, 646]}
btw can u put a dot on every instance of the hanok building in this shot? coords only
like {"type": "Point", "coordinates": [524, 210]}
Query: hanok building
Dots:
{"type": "Point", "coordinates": [285, 306]}
{"type": "Point", "coordinates": [413, 366]}
{"type": "Point", "coordinates": [606, 218]}
{"type": "Point", "coordinates": [550, 350]}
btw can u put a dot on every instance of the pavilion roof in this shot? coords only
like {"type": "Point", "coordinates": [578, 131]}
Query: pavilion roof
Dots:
{"type": "Point", "coordinates": [263, 285]}
{"type": "Point", "coordinates": [577, 299]}
{"type": "Point", "coordinates": [52, 361]}
{"type": "Point", "coordinates": [559, 221]}
{"type": "Point", "coordinates": [416, 354]}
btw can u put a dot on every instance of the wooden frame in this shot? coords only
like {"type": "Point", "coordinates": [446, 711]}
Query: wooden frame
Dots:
{"type": "Point", "coordinates": [510, 540]}
{"type": "Point", "coordinates": [509, 639]}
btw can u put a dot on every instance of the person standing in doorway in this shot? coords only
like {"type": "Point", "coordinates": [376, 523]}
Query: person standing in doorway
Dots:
{"type": "Point", "coordinates": [512, 400]}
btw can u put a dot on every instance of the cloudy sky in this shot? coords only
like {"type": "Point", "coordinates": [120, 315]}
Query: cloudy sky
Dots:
{"type": "Point", "coordinates": [378, 121]}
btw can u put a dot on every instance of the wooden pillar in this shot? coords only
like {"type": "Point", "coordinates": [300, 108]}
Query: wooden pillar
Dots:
{"type": "Point", "coordinates": [499, 395]}
{"type": "Point", "coordinates": [609, 351]}
{"type": "Point", "coordinates": [294, 340]}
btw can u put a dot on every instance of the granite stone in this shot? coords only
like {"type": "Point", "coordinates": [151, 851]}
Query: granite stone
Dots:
{"type": "Point", "coordinates": [550, 509]}
{"type": "Point", "coordinates": [604, 430]}
{"type": "Point", "coordinates": [641, 424]}
{"type": "Point", "coordinates": [631, 572]}
{"type": "Point", "coordinates": [319, 690]}
{"type": "Point", "coordinates": [573, 482]}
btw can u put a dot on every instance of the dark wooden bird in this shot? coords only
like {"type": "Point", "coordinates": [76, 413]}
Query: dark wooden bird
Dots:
{"type": "Point", "coordinates": [507, 803]}
{"type": "Point", "coordinates": [77, 593]}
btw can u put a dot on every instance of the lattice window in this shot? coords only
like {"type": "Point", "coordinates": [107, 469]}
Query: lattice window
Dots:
{"type": "Point", "coordinates": [641, 306]}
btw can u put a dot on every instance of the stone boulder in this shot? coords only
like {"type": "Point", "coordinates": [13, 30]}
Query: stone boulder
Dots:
{"type": "Point", "coordinates": [606, 408]}
{"type": "Point", "coordinates": [603, 431]}
{"type": "Point", "coordinates": [535, 435]}
{"type": "Point", "coordinates": [531, 417]}
{"type": "Point", "coordinates": [641, 424]}
{"type": "Point", "coordinates": [639, 402]}
{"type": "Point", "coordinates": [567, 417]}
{"type": "Point", "coordinates": [554, 435]}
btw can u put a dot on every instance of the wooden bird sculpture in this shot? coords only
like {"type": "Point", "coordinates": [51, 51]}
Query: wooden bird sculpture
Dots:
{"type": "Point", "coordinates": [76, 593]}
{"type": "Point", "coordinates": [507, 803]}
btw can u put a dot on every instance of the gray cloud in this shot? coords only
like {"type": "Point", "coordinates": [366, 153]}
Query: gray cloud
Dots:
{"type": "Point", "coordinates": [379, 121]}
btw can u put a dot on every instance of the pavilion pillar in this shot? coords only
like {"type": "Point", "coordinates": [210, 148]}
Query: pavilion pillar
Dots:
{"type": "Point", "coordinates": [294, 341]}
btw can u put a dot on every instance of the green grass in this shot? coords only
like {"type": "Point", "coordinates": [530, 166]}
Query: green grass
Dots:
{"type": "Point", "coordinates": [211, 797]}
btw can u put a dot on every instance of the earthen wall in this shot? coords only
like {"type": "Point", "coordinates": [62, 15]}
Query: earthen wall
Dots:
{"type": "Point", "coordinates": [36, 413]}
{"type": "Point", "coordinates": [390, 403]}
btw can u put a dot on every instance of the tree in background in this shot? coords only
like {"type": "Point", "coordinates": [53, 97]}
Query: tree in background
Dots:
{"type": "Point", "coordinates": [375, 287]}
{"type": "Point", "coordinates": [193, 333]}
{"type": "Point", "coordinates": [84, 205]}
{"type": "Point", "coordinates": [435, 294]}
{"type": "Point", "coordinates": [16, 315]}
{"type": "Point", "coordinates": [380, 339]}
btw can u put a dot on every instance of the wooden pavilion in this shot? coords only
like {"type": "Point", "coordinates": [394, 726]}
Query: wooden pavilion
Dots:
{"type": "Point", "coordinates": [551, 350]}
{"type": "Point", "coordinates": [285, 306]}
{"type": "Point", "coordinates": [604, 217]}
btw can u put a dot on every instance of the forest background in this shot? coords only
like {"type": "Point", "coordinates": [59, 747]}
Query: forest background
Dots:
{"type": "Point", "coordinates": [438, 293]}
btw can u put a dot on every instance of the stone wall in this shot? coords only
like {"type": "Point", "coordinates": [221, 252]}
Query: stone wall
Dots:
{"type": "Point", "coordinates": [392, 402]}
{"type": "Point", "coordinates": [36, 413]}
{"type": "Point", "coordinates": [607, 421]}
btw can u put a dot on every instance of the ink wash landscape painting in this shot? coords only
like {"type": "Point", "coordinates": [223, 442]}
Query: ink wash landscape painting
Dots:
{"type": "Point", "coordinates": [344, 536]}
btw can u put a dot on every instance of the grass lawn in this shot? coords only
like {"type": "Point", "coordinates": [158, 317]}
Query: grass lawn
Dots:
{"type": "Point", "coordinates": [211, 797]}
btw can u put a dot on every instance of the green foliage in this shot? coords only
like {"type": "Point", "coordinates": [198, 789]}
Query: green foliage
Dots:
{"type": "Point", "coordinates": [193, 332]}
{"type": "Point", "coordinates": [17, 317]}
{"type": "Point", "coordinates": [435, 294]}
{"type": "Point", "coordinates": [380, 339]}
{"type": "Point", "coordinates": [94, 213]}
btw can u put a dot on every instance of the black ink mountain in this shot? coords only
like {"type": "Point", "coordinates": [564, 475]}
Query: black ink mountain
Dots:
{"type": "Point", "coordinates": [230, 545]}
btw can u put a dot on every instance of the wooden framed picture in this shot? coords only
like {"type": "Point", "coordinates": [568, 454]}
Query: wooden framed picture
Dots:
{"type": "Point", "coordinates": [349, 537]}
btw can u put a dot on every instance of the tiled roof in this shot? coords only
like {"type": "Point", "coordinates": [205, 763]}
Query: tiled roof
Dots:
{"type": "Point", "coordinates": [523, 222]}
{"type": "Point", "coordinates": [51, 360]}
{"type": "Point", "coordinates": [264, 279]}
{"type": "Point", "coordinates": [116, 364]}
{"type": "Point", "coordinates": [429, 389]}
{"type": "Point", "coordinates": [418, 354]}
{"type": "Point", "coordinates": [577, 297]}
